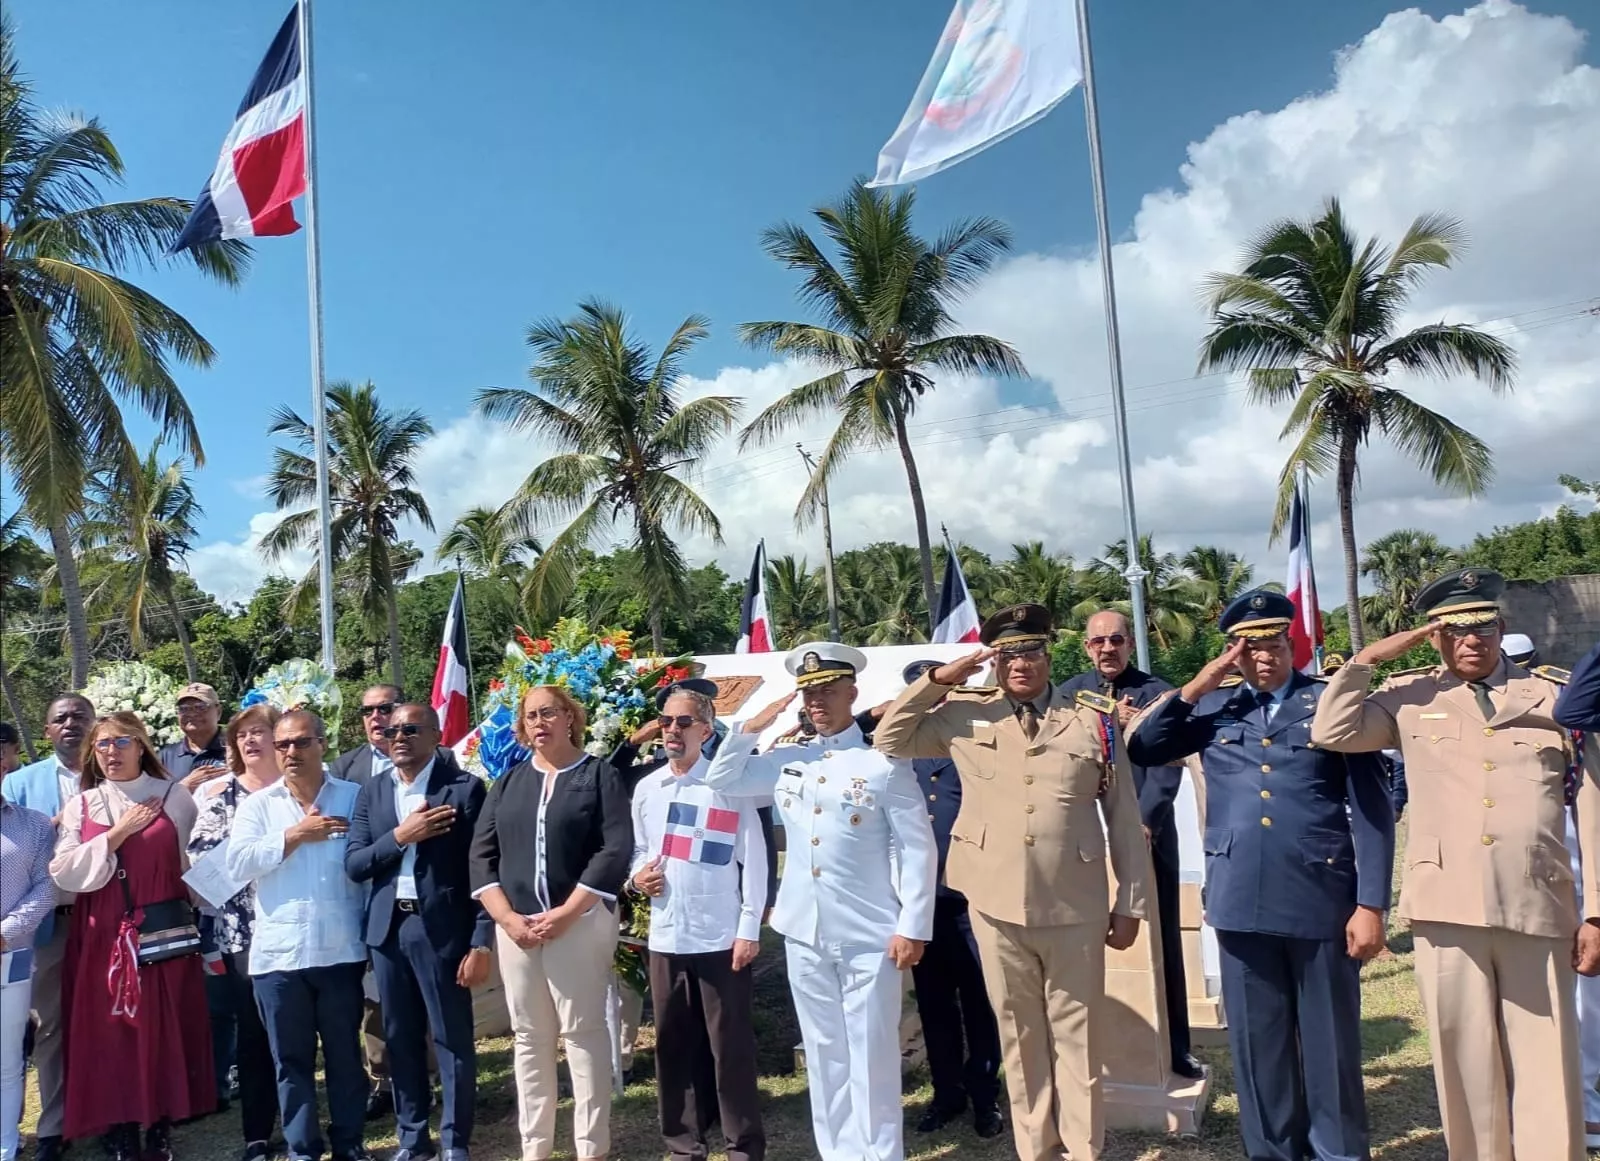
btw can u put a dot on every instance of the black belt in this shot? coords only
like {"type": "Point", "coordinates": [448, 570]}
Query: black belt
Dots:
{"type": "Point", "coordinates": [64, 910]}
{"type": "Point", "coordinates": [409, 906]}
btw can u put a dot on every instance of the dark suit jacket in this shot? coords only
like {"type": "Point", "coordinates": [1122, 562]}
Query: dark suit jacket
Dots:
{"type": "Point", "coordinates": [1578, 707]}
{"type": "Point", "coordinates": [453, 920]}
{"type": "Point", "coordinates": [354, 765]}
{"type": "Point", "coordinates": [588, 834]}
{"type": "Point", "coordinates": [940, 782]}
{"type": "Point", "coordinates": [1156, 786]}
{"type": "Point", "coordinates": [1296, 836]}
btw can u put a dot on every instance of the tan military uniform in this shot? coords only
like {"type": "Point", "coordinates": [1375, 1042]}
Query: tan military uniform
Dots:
{"type": "Point", "coordinates": [1488, 888]}
{"type": "Point", "coordinates": [1029, 852]}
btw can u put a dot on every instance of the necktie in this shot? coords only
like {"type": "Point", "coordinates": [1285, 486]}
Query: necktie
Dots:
{"type": "Point", "coordinates": [1264, 701]}
{"type": "Point", "coordinates": [1029, 717]}
{"type": "Point", "coordinates": [1480, 693]}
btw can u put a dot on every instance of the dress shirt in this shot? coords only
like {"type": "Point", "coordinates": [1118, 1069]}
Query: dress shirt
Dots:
{"type": "Point", "coordinates": [308, 911]}
{"type": "Point", "coordinates": [381, 763]}
{"type": "Point", "coordinates": [712, 852]}
{"type": "Point", "coordinates": [27, 895]}
{"type": "Point", "coordinates": [69, 783]}
{"type": "Point", "coordinates": [180, 760]}
{"type": "Point", "coordinates": [407, 800]}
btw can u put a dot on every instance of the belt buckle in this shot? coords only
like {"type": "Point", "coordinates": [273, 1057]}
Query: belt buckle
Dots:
{"type": "Point", "coordinates": [409, 906]}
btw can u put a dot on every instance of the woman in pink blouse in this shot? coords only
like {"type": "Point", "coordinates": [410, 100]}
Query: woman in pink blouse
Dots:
{"type": "Point", "coordinates": [138, 1039]}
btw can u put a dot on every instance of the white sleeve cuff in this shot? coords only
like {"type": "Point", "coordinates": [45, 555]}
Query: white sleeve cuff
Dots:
{"type": "Point", "coordinates": [606, 895]}
{"type": "Point", "coordinates": [485, 889]}
{"type": "Point", "coordinates": [749, 927]}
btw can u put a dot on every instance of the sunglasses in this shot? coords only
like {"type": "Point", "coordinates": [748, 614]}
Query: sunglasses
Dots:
{"type": "Point", "coordinates": [106, 745]}
{"type": "Point", "coordinates": [1481, 632]}
{"type": "Point", "coordinates": [1115, 640]}
{"type": "Point", "coordinates": [682, 721]}
{"type": "Point", "coordinates": [545, 713]}
{"type": "Point", "coordinates": [408, 730]}
{"type": "Point", "coordinates": [284, 745]}
{"type": "Point", "coordinates": [1028, 653]}
{"type": "Point", "coordinates": [383, 707]}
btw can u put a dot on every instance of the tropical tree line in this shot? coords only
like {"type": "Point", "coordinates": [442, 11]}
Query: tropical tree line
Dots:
{"type": "Point", "coordinates": [1311, 317]}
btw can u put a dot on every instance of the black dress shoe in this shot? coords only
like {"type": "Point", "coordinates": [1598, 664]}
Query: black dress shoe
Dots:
{"type": "Point", "coordinates": [256, 1151]}
{"type": "Point", "coordinates": [157, 1143]}
{"type": "Point", "coordinates": [1188, 1067]}
{"type": "Point", "coordinates": [987, 1122]}
{"type": "Point", "coordinates": [380, 1102]}
{"type": "Point", "coordinates": [936, 1117]}
{"type": "Point", "coordinates": [49, 1149]}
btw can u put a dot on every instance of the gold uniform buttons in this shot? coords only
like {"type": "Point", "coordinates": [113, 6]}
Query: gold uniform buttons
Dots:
{"type": "Point", "coordinates": [816, 810]}
{"type": "Point", "coordinates": [1028, 809]}
{"type": "Point", "coordinates": [821, 778]}
{"type": "Point", "coordinates": [816, 841]}
{"type": "Point", "coordinates": [1487, 840]}
{"type": "Point", "coordinates": [1266, 822]}
{"type": "Point", "coordinates": [1488, 765]}
{"type": "Point", "coordinates": [1027, 779]}
{"type": "Point", "coordinates": [1488, 731]}
{"type": "Point", "coordinates": [1330, 862]}
{"type": "Point", "coordinates": [933, 778]}
{"type": "Point", "coordinates": [1027, 840]}
{"type": "Point", "coordinates": [855, 820]}
{"type": "Point", "coordinates": [1266, 741]}
{"type": "Point", "coordinates": [933, 798]}
{"type": "Point", "coordinates": [1265, 768]}
{"type": "Point", "coordinates": [1488, 802]}
{"type": "Point", "coordinates": [1266, 794]}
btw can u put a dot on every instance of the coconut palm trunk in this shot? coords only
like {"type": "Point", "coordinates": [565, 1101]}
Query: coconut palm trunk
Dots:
{"type": "Point", "coordinates": [920, 511]}
{"type": "Point", "coordinates": [72, 598]}
{"type": "Point", "coordinates": [397, 669]}
{"type": "Point", "coordinates": [189, 665]}
{"type": "Point", "coordinates": [15, 707]}
{"type": "Point", "coordinates": [1347, 537]}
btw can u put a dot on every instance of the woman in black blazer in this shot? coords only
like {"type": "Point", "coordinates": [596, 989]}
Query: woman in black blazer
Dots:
{"type": "Point", "coordinates": [550, 852]}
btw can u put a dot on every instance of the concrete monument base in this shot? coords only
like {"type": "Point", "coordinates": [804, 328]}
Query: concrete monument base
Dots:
{"type": "Point", "coordinates": [1177, 1108]}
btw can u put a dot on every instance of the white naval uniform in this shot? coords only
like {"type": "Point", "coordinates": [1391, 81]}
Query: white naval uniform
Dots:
{"type": "Point", "coordinates": [843, 897]}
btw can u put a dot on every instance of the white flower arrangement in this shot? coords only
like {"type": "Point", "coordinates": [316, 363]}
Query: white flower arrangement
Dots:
{"type": "Point", "coordinates": [134, 687]}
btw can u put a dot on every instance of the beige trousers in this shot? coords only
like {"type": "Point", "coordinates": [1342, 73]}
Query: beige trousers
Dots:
{"type": "Point", "coordinates": [1503, 1024]}
{"type": "Point", "coordinates": [50, 1039]}
{"type": "Point", "coordinates": [1047, 986]}
{"type": "Point", "coordinates": [558, 991]}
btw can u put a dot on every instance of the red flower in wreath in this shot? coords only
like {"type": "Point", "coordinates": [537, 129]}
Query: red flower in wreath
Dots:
{"type": "Point", "coordinates": [672, 673]}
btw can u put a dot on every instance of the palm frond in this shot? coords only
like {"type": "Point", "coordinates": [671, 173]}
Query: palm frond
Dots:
{"type": "Point", "coordinates": [1444, 349]}
{"type": "Point", "coordinates": [808, 401]}
{"type": "Point", "coordinates": [1452, 455]}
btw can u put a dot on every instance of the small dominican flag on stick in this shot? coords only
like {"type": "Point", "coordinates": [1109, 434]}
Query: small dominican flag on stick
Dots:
{"type": "Point", "coordinates": [1305, 631]}
{"type": "Point", "coordinates": [696, 840]}
{"type": "Point", "coordinates": [262, 168]}
{"type": "Point", "coordinates": [957, 622]}
{"type": "Point", "coordinates": [755, 624]}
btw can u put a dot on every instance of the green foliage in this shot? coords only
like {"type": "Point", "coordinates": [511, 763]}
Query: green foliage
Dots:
{"type": "Point", "coordinates": [1561, 545]}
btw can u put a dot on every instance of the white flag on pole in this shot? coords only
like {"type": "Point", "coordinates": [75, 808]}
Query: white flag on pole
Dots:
{"type": "Point", "coordinates": [999, 67]}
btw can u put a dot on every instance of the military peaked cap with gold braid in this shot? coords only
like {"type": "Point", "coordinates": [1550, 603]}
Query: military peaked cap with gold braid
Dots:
{"type": "Point", "coordinates": [1468, 598]}
{"type": "Point", "coordinates": [818, 662]}
{"type": "Point", "coordinates": [1019, 627]}
{"type": "Point", "coordinates": [1257, 615]}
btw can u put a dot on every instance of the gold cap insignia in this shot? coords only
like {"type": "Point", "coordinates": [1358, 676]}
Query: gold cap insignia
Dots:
{"type": "Point", "coordinates": [1469, 580]}
{"type": "Point", "coordinates": [1258, 601]}
{"type": "Point", "coordinates": [812, 663]}
{"type": "Point", "coordinates": [1018, 616]}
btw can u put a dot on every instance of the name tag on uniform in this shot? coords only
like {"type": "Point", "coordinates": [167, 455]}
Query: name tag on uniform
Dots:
{"type": "Point", "coordinates": [1431, 717]}
{"type": "Point", "coordinates": [982, 725]}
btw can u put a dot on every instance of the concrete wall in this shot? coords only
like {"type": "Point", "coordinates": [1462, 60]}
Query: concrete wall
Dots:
{"type": "Point", "coordinates": [1562, 615]}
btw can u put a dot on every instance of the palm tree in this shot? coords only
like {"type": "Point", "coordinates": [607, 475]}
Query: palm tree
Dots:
{"type": "Point", "coordinates": [1174, 600]}
{"type": "Point", "coordinates": [1223, 575]}
{"type": "Point", "coordinates": [1313, 318]}
{"type": "Point", "coordinates": [884, 331]}
{"type": "Point", "coordinates": [371, 478]}
{"type": "Point", "coordinates": [486, 545]}
{"type": "Point", "coordinates": [1399, 564]}
{"type": "Point", "coordinates": [22, 563]}
{"type": "Point", "coordinates": [1040, 577]}
{"type": "Point", "coordinates": [797, 599]}
{"type": "Point", "coordinates": [147, 524]}
{"type": "Point", "coordinates": [77, 339]}
{"type": "Point", "coordinates": [879, 598]}
{"type": "Point", "coordinates": [623, 436]}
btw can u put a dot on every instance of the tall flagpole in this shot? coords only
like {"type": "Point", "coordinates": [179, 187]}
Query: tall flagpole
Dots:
{"type": "Point", "coordinates": [319, 406]}
{"type": "Point", "coordinates": [1135, 573]}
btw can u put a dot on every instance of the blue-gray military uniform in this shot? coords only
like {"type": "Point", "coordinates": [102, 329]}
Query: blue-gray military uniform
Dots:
{"type": "Point", "coordinates": [1296, 837]}
{"type": "Point", "coordinates": [958, 1024]}
{"type": "Point", "coordinates": [860, 870]}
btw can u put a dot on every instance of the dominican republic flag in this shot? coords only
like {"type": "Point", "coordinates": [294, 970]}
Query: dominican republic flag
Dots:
{"type": "Point", "coordinates": [451, 699]}
{"type": "Point", "coordinates": [755, 623]}
{"type": "Point", "coordinates": [1305, 633]}
{"type": "Point", "coordinates": [262, 168]}
{"type": "Point", "coordinates": [700, 840]}
{"type": "Point", "coordinates": [957, 622]}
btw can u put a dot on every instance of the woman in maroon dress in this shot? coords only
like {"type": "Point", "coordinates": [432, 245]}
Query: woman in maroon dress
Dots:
{"type": "Point", "coordinates": [138, 1039]}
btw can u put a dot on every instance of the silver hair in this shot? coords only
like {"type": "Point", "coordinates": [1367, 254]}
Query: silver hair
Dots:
{"type": "Point", "coordinates": [704, 708]}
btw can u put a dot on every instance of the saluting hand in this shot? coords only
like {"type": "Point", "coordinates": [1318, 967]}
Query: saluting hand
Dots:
{"type": "Point", "coordinates": [1395, 646]}
{"type": "Point", "coordinates": [1586, 949]}
{"type": "Point", "coordinates": [1214, 673]}
{"type": "Point", "coordinates": [767, 716]}
{"type": "Point", "coordinates": [957, 671]}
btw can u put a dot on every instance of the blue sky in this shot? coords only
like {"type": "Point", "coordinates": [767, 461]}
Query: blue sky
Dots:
{"type": "Point", "coordinates": [487, 163]}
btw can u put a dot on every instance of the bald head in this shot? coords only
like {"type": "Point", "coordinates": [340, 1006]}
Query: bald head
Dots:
{"type": "Point", "coordinates": [1108, 640]}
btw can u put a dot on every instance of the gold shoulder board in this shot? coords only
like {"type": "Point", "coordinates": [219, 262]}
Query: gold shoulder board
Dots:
{"type": "Point", "coordinates": [1231, 680]}
{"type": "Point", "coordinates": [1552, 673]}
{"type": "Point", "coordinates": [1099, 702]}
{"type": "Point", "coordinates": [973, 692]}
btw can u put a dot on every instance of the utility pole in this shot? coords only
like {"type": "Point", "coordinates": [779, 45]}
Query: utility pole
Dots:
{"type": "Point", "coordinates": [827, 548]}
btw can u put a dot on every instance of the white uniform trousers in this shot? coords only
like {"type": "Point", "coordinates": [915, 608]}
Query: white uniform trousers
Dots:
{"type": "Point", "coordinates": [1588, 1004]}
{"type": "Point", "coordinates": [848, 1002]}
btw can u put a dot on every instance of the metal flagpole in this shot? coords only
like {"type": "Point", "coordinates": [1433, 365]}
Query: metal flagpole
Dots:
{"type": "Point", "coordinates": [319, 406]}
{"type": "Point", "coordinates": [1311, 564]}
{"type": "Point", "coordinates": [1135, 574]}
{"type": "Point", "coordinates": [827, 550]}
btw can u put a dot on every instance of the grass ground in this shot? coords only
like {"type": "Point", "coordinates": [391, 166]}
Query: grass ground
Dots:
{"type": "Point", "coordinates": [1400, 1097]}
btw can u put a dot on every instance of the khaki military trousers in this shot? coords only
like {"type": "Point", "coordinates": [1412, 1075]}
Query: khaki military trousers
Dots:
{"type": "Point", "coordinates": [1503, 1025]}
{"type": "Point", "coordinates": [1047, 986]}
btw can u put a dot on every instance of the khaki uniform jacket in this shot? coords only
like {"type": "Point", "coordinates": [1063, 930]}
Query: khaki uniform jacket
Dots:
{"type": "Point", "coordinates": [1028, 846]}
{"type": "Point", "coordinates": [1487, 842]}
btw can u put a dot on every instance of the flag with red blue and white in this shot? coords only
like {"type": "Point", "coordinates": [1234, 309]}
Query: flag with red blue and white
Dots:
{"type": "Point", "coordinates": [1305, 632]}
{"type": "Point", "coordinates": [755, 622]}
{"type": "Point", "coordinates": [262, 167]}
{"type": "Point", "coordinates": [957, 620]}
{"type": "Point", "coordinates": [700, 834]}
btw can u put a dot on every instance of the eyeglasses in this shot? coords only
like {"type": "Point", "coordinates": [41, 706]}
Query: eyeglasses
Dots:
{"type": "Point", "coordinates": [1027, 653]}
{"type": "Point", "coordinates": [106, 745]}
{"type": "Point", "coordinates": [193, 709]}
{"type": "Point", "coordinates": [1481, 632]}
{"type": "Point", "coordinates": [383, 707]}
{"type": "Point", "coordinates": [408, 730]}
{"type": "Point", "coordinates": [1115, 640]}
{"type": "Point", "coordinates": [682, 721]}
{"type": "Point", "coordinates": [545, 713]}
{"type": "Point", "coordinates": [284, 745]}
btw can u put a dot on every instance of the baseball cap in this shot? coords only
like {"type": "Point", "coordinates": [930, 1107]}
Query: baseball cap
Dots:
{"type": "Point", "coordinates": [199, 691]}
